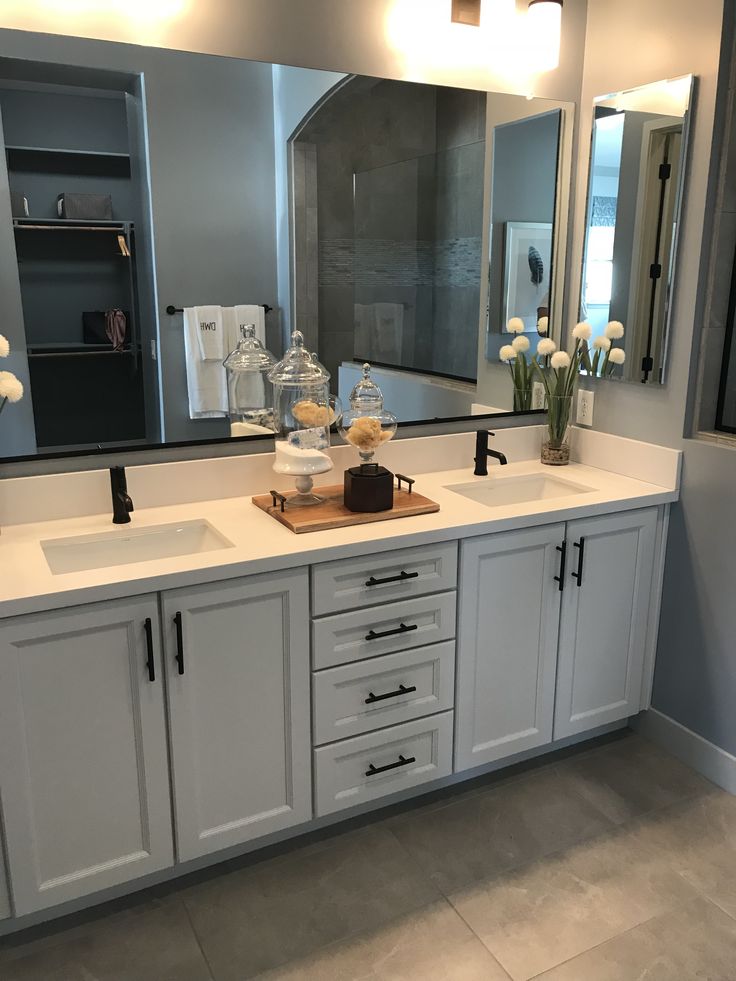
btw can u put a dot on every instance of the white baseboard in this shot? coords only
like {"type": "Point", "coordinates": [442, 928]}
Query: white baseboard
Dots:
{"type": "Point", "coordinates": [705, 757]}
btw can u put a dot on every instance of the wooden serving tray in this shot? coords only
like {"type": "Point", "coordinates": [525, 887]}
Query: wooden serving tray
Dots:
{"type": "Point", "coordinates": [332, 513]}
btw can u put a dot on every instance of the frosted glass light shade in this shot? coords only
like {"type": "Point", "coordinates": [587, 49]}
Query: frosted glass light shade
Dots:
{"type": "Point", "coordinates": [544, 28]}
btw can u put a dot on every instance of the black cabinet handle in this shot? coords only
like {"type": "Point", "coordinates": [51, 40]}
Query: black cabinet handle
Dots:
{"type": "Point", "coordinates": [402, 761]}
{"type": "Point", "coordinates": [562, 549]}
{"type": "Point", "coordinates": [150, 662]}
{"type": "Point", "coordinates": [401, 629]}
{"type": "Point", "coordinates": [402, 577]}
{"type": "Point", "coordinates": [581, 553]}
{"type": "Point", "coordinates": [401, 690]}
{"type": "Point", "coordinates": [179, 643]}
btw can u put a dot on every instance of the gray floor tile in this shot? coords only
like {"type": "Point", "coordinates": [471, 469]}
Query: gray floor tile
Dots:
{"type": "Point", "coordinates": [258, 918]}
{"type": "Point", "coordinates": [697, 941]}
{"type": "Point", "coordinates": [504, 827]}
{"type": "Point", "coordinates": [155, 943]}
{"type": "Point", "coordinates": [632, 776]}
{"type": "Point", "coordinates": [432, 944]}
{"type": "Point", "coordinates": [701, 838]}
{"type": "Point", "coordinates": [545, 913]}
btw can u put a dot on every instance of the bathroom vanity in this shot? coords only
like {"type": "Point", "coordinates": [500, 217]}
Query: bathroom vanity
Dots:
{"type": "Point", "coordinates": [161, 714]}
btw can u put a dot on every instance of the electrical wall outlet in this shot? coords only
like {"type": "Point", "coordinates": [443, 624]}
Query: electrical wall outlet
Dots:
{"type": "Point", "coordinates": [537, 395]}
{"type": "Point", "coordinates": [585, 408]}
{"type": "Point", "coordinates": [154, 353]}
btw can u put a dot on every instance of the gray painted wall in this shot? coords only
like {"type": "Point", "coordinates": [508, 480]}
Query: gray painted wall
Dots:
{"type": "Point", "coordinates": [695, 680]}
{"type": "Point", "coordinates": [211, 157]}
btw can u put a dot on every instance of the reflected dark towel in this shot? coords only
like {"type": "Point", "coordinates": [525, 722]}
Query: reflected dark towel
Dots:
{"type": "Point", "coordinates": [115, 327]}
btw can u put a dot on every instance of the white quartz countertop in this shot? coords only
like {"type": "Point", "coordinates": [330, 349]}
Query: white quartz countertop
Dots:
{"type": "Point", "coordinates": [261, 544]}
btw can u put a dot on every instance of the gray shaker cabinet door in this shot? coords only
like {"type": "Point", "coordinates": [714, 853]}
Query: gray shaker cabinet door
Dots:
{"type": "Point", "coordinates": [508, 618]}
{"type": "Point", "coordinates": [237, 664]}
{"type": "Point", "coordinates": [604, 619]}
{"type": "Point", "coordinates": [83, 760]}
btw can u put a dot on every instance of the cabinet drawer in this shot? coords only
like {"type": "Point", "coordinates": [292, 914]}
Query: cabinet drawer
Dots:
{"type": "Point", "coordinates": [368, 695]}
{"type": "Point", "coordinates": [351, 583]}
{"type": "Point", "coordinates": [365, 768]}
{"type": "Point", "coordinates": [382, 630]}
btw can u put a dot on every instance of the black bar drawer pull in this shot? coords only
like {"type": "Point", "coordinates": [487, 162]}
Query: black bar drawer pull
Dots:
{"type": "Point", "coordinates": [401, 690]}
{"type": "Point", "coordinates": [581, 554]}
{"type": "Point", "coordinates": [562, 549]}
{"type": "Point", "coordinates": [401, 629]}
{"type": "Point", "coordinates": [150, 662]}
{"type": "Point", "coordinates": [179, 643]}
{"type": "Point", "coordinates": [402, 577]}
{"type": "Point", "coordinates": [402, 761]}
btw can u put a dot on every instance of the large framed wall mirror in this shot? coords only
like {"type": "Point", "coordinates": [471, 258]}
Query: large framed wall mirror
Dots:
{"type": "Point", "coordinates": [388, 221]}
{"type": "Point", "coordinates": [637, 169]}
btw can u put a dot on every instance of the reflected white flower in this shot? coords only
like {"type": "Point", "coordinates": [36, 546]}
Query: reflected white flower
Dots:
{"type": "Point", "coordinates": [617, 355]}
{"type": "Point", "coordinates": [520, 344]}
{"type": "Point", "coordinates": [515, 326]}
{"type": "Point", "coordinates": [560, 359]}
{"type": "Point", "coordinates": [602, 343]}
{"type": "Point", "coordinates": [4, 347]}
{"type": "Point", "coordinates": [546, 347]}
{"type": "Point", "coordinates": [582, 331]}
{"type": "Point", "coordinates": [543, 325]}
{"type": "Point", "coordinates": [507, 353]}
{"type": "Point", "coordinates": [614, 330]}
{"type": "Point", "coordinates": [10, 388]}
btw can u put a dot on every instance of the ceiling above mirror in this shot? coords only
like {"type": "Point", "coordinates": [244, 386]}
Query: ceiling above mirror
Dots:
{"type": "Point", "coordinates": [637, 168]}
{"type": "Point", "coordinates": [158, 202]}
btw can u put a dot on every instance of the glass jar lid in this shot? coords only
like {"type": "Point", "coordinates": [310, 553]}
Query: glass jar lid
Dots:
{"type": "Point", "coordinates": [250, 354]}
{"type": "Point", "coordinates": [366, 396]}
{"type": "Point", "coordinates": [298, 368]}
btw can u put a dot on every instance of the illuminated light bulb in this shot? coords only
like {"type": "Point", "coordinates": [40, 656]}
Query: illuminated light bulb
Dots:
{"type": "Point", "coordinates": [544, 29]}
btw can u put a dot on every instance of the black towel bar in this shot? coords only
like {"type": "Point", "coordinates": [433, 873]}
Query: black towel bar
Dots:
{"type": "Point", "coordinates": [171, 309]}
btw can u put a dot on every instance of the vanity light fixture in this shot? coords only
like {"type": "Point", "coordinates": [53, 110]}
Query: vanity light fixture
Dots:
{"type": "Point", "coordinates": [544, 20]}
{"type": "Point", "coordinates": [466, 12]}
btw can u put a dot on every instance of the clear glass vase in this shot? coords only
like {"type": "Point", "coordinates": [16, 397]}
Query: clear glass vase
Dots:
{"type": "Point", "coordinates": [556, 445]}
{"type": "Point", "coordinates": [522, 399]}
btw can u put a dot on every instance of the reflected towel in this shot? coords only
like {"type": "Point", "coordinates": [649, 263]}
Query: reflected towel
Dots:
{"type": "Point", "coordinates": [211, 340]}
{"type": "Point", "coordinates": [206, 380]}
{"type": "Point", "coordinates": [240, 316]}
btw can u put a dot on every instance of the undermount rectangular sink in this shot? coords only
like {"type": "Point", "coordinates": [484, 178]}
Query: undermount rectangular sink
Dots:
{"type": "Point", "coordinates": [128, 545]}
{"type": "Point", "coordinates": [497, 491]}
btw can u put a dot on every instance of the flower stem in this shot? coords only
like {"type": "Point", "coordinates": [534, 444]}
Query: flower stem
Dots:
{"type": "Point", "coordinates": [2, 404]}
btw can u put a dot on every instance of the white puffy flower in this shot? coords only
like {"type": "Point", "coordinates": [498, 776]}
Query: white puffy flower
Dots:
{"type": "Point", "coordinates": [582, 331]}
{"type": "Point", "coordinates": [520, 344]}
{"type": "Point", "coordinates": [507, 353]}
{"type": "Point", "coordinates": [4, 347]}
{"type": "Point", "coordinates": [515, 326]}
{"type": "Point", "coordinates": [10, 388]}
{"type": "Point", "coordinates": [545, 347]}
{"type": "Point", "coordinates": [614, 330]}
{"type": "Point", "coordinates": [560, 359]}
{"type": "Point", "coordinates": [602, 343]}
{"type": "Point", "coordinates": [617, 355]}
{"type": "Point", "coordinates": [543, 325]}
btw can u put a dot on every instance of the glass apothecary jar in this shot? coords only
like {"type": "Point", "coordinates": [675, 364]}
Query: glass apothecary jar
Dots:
{"type": "Point", "coordinates": [303, 414]}
{"type": "Point", "coordinates": [249, 389]}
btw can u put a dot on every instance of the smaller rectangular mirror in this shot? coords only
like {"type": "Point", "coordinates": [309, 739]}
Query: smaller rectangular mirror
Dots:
{"type": "Point", "coordinates": [637, 166]}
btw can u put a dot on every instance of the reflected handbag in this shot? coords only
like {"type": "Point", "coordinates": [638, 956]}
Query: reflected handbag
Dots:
{"type": "Point", "coordinates": [95, 327]}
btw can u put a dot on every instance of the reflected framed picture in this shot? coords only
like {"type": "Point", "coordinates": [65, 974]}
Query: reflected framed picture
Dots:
{"type": "Point", "coordinates": [527, 262]}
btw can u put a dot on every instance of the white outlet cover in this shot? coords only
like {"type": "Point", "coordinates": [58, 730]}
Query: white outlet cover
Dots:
{"type": "Point", "coordinates": [537, 395]}
{"type": "Point", "coordinates": [585, 408]}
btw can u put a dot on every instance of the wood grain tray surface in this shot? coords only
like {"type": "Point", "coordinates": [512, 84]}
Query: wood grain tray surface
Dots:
{"type": "Point", "coordinates": [332, 513]}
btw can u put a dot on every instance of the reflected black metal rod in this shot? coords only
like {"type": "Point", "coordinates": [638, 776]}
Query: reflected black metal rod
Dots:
{"type": "Point", "coordinates": [171, 309]}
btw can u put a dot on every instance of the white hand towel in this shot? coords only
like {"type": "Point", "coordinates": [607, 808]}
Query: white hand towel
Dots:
{"type": "Point", "coordinates": [247, 313]}
{"type": "Point", "coordinates": [206, 380]}
{"type": "Point", "coordinates": [211, 340]}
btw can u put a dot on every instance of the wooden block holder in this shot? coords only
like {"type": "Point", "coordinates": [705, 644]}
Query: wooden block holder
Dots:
{"type": "Point", "coordinates": [332, 513]}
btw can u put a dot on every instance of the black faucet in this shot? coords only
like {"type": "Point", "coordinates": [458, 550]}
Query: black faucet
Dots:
{"type": "Point", "coordinates": [122, 505]}
{"type": "Point", "coordinates": [482, 453]}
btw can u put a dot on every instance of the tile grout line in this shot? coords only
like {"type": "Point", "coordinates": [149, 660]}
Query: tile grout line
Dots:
{"type": "Point", "coordinates": [480, 939]}
{"type": "Point", "coordinates": [197, 940]}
